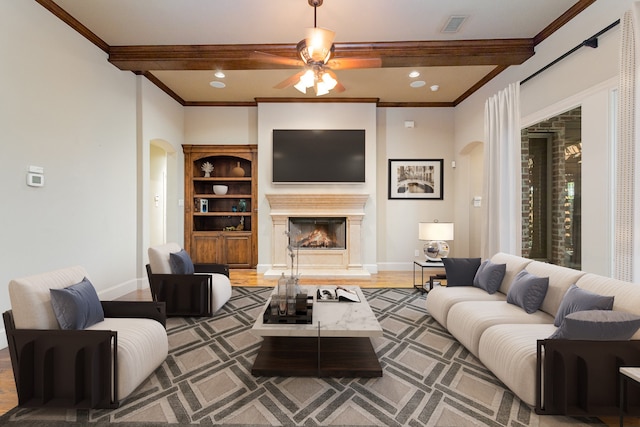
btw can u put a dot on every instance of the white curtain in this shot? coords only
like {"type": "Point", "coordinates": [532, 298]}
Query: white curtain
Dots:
{"type": "Point", "coordinates": [502, 213]}
{"type": "Point", "coordinates": [626, 190]}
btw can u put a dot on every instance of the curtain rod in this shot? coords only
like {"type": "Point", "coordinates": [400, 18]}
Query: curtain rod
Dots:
{"type": "Point", "coordinates": [590, 42]}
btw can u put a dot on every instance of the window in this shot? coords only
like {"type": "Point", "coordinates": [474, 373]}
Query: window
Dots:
{"type": "Point", "coordinates": [551, 190]}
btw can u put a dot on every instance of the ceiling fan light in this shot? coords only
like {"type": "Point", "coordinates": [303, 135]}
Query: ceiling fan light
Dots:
{"type": "Point", "coordinates": [308, 78]}
{"type": "Point", "coordinates": [321, 89]}
{"type": "Point", "coordinates": [301, 86]}
{"type": "Point", "coordinates": [319, 43]}
{"type": "Point", "coordinates": [329, 81]}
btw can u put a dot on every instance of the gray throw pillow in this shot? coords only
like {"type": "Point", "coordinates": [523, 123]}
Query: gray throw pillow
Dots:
{"type": "Point", "coordinates": [77, 306]}
{"type": "Point", "coordinates": [460, 271]}
{"type": "Point", "coordinates": [489, 276]}
{"type": "Point", "coordinates": [181, 263]}
{"type": "Point", "coordinates": [576, 299]}
{"type": "Point", "coordinates": [598, 325]}
{"type": "Point", "coordinates": [528, 291]}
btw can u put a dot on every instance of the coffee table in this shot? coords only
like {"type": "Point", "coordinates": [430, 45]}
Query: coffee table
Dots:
{"type": "Point", "coordinates": [336, 344]}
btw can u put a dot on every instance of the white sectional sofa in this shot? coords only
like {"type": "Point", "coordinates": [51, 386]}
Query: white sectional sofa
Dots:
{"type": "Point", "coordinates": [505, 338]}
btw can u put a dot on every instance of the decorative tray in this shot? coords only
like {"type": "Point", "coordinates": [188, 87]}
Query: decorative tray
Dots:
{"type": "Point", "coordinates": [304, 313]}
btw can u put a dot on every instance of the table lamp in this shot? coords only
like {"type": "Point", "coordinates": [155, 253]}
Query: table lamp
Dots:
{"type": "Point", "coordinates": [435, 233]}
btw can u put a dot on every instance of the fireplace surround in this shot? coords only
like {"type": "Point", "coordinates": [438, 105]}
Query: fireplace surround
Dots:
{"type": "Point", "coordinates": [345, 261]}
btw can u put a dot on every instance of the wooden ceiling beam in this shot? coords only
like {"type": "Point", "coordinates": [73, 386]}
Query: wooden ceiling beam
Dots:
{"type": "Point", "coordinates": [502, 52]}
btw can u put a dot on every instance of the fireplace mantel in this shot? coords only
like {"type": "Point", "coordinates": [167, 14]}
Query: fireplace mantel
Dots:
{"type": "Point", "coordinates": [317, 203]}
{"type": "Point", "coordinates": [318, 262]}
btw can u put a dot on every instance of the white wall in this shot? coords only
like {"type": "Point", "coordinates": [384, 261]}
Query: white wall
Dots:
{"type": "Point", "coordinates": [430, 138]}
{"type": "Point", "coordinates": [90, 125]}
{"type": "Point", "coordinates": [221, 125]}
{"type": "Point", "coordinates": [584, 77]}
{"type": "Point", "coordinates": [65, 108]}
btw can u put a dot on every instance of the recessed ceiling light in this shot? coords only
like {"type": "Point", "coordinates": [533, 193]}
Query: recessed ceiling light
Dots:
{"type": "Point", "coordinates": [217, 84]}
{"type": "Point", "coordinates": [434, 88]}
{"type": "Point", "coordinates": [219, 74]}
{"type": "Point", "coordinates": [417, 83]}
{"type": "Point", "coordinates": [414, 74]}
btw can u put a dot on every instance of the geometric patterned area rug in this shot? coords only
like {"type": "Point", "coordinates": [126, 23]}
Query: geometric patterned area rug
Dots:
{"type": "Point", "coordinates": [429, 379]}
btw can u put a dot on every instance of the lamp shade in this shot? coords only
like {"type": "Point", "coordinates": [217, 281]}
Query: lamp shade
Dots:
{"type": "Point", "coordinates": [435, 231]}
{"type": "Point", "coordinates": [319, 43]}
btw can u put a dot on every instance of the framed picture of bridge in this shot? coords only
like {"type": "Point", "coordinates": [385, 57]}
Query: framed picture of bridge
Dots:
{"type": "Point", "coordinates": [416, 179]}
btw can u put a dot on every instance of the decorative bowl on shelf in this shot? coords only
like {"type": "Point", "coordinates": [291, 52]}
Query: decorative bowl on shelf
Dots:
{"type": "Point", "coordinates": [220, 190]}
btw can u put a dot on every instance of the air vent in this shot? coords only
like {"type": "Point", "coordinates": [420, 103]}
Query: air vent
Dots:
{"type": "Point", "coordinates": [454, 23]}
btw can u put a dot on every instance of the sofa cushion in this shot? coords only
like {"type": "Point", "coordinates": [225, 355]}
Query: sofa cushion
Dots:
{"type": "Point", "coordinates": [515, 265]}
{"type": "Point", "coordinates": [560, 278]}
{"type": "Point", "coordinates": [441, 298]}
{"type": "Point", "coordinates": [577, 299]}
{"type": "Point", "coordinates": [460, 271]}
{"type": "Point", "coordinates": [77, 306]}
{"type": "Point", "coordinates": [31, 297]}
{"type": "Point", "coordinates": [627, 297]}
{"type": "Point", "coordinates": [468, 320]}
{"type": "Point", "coordinates": [528, 291]}
{"type": "Point", "coordinates": [598, 325]}
{"type": "Point", "coordinates": [489, 276]}
{"type": "Point", "coordinates": [181, 263]}
{"type": "Point", "coordinates": [510, 352]}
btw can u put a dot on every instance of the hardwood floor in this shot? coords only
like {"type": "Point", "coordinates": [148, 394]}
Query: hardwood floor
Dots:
{"type": "Point", "coordinates": [384, 279]}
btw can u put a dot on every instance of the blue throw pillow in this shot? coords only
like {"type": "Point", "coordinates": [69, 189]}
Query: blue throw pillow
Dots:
{"type": "Point", "coordinates": [528, 291]}
{"type": "Point", "coordinates": [489, 276]}
{"type": "Point", "coordinates": [576, 299]}
{"type": "Point", "coordinates": [77, 306]}
{"type": "Point", "coordinates": [460, 271]}
{"type": "Point", "coordinates": [181, 263]}
{"type": "Point", "coordinates": [598, 325]}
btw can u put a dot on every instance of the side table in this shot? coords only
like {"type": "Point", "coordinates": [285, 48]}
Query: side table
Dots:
{"type": "Point", "coordinates": [435, 270]}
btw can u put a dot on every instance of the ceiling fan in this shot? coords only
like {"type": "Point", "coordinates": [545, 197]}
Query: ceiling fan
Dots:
{"type": "Point", "coordinates": [315, 53]}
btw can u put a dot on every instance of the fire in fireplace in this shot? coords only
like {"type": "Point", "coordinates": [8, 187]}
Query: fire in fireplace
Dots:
{"type": "Point", "coordinates": [318, 233]}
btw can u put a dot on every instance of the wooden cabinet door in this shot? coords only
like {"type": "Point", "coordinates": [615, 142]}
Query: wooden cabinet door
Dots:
{"type": "Point", "coordinates": [237, 250]}
{"type": "Point", "coordinates": [206, 249]}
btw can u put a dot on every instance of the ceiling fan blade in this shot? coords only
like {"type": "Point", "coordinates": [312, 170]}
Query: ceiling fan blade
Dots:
{"type": "Point", "coordinates": [346, 63]}
{"type": "Point", "coordinates": [290, 81]}
{"type": "Point", "coordinates": [339, 88]}
{"type": "Point", "coordinates": [275, 59]}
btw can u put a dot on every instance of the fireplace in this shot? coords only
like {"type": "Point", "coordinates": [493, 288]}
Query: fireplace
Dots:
{"type": "Point", "coordinates": [328, 228]}
{"type": "Point", "coordinates": [318, 233]}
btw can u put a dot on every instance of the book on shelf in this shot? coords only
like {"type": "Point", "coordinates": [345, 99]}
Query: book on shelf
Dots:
{"type": "Point", "coordinates": [336, 294]}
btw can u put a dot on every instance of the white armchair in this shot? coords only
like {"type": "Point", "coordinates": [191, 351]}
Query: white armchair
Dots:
{"type": "Point", "coordinates": [91, 366]}
{"type": "Point", "coordinates": [201, 291]}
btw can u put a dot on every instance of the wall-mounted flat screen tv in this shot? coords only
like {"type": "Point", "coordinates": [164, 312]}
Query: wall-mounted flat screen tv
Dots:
{"type": "Point", "coordinates": [318, 156]}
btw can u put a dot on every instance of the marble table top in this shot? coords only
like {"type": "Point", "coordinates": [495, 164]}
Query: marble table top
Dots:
{"type": "Point", "coordinates": [330, 319]}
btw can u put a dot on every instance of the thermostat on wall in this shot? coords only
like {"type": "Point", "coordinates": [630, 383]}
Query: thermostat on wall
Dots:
{"type": "Point", "coordinates": [35, 179]}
